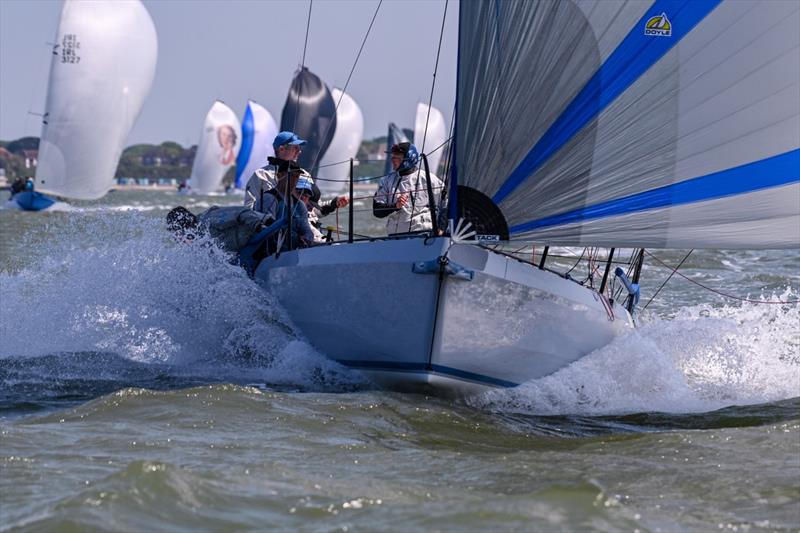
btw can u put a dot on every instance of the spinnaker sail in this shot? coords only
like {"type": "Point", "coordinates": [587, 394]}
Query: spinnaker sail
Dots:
{"type": "Point", "coordinates": [430, 134]}
{"type": "Point", "coordinates": [258, 131]}
{"type": "Point", "coordinates": [217, 150]}
{"type": "Point", "coordinates": [310, 112]}
{"type": "Point", "coordinates": [333, 178]}
{"type": "Point", "coordinates": [102, 68]}
{"type": "Point", "coordinates": [664, 124]}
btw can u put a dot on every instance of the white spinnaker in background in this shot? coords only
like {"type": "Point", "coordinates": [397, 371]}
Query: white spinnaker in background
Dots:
{"type": "Point", "coordinates": [102, 68]}
{"type": "Point", "coordinates": [258, 131]}
{"type": "Point", "coordinates": [216, 153]}
{"type": "Point", "coordinates": [344, 145]}
{"type": "Point", "coordinates": [433, 138]}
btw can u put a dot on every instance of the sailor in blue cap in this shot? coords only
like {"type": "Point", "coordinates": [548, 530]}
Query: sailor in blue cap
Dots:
{"type": "Point", "coordinates": [287, 146]}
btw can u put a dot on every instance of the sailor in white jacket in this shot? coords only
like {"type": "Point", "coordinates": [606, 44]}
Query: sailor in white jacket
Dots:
{"type": "Point", "coordinates": [287, 148]}
{"type": "Point", "coordinates": [402, 196]}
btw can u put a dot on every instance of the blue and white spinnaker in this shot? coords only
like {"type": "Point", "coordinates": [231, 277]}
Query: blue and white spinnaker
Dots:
{"type": "Point", "coordinates": [258, 131]}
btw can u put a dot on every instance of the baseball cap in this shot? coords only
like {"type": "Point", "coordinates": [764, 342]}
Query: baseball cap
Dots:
{"type": "Point", "coordinates": [287, 137]}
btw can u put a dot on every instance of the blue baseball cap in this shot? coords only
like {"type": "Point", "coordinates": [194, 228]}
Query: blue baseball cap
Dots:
{"type": "Point", "coordinates": [287, 137]}
{"type": "Point", "coordinates": [304, 183]}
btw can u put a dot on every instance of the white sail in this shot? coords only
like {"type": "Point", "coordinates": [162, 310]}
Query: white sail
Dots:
{"type": "Point", "coordinates": [102, 68]}
{"type": "Point", "coordinates": [657, 124]}
{"type": "Point", "coordinates": [258, 131]}
{"type": "Point", "coordinates": [344, 145]}
{"type": "Point", "coordinates": [217, 150]}
{"type": "Point", "coordinates": [430, 133]}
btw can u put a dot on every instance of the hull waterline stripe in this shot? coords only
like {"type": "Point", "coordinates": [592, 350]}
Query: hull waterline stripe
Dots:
{"type": "Point", "coordinates": [782, 169]}
{"type": "Point", "coordinates": [248, 137]}
{"type": "Point", "coordinates": [422, 368]}
{"type": "Point", "coordinates": [633, 57]}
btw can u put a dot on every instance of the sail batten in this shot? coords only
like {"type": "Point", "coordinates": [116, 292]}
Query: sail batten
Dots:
{"type": "Point", "coordinates": [611, 131]}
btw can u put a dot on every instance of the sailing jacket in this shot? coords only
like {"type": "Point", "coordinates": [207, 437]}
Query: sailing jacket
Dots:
{"type": "Point", "coordinates": [415, 215]}
{"type": "Point", "coordinates": [262, 180]}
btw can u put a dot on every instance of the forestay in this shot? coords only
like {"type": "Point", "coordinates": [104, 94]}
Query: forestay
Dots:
{"type": "Point", "coordinates": [258, 131]}
{"type": "Point", "coordinates": [217, 151]}
{"type": "Point", "coordinates": [665, 124]}
{"type": "Point", "coordinates": [102, 68]}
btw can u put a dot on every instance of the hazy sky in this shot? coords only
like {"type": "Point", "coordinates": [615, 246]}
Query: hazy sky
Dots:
{"type": "Point", "coordinates": [239, 49]}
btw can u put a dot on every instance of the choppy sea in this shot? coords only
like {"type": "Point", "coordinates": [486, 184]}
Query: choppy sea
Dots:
{"type": "Point", "coordinates": [147, 386]}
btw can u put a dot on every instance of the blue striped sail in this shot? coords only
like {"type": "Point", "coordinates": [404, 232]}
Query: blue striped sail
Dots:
{"type": "Point", "coordinates": [258, 131]}
{"type": "Point", "coordinates": [665, 124]}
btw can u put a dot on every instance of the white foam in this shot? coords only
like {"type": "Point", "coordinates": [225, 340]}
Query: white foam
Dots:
{"type": "Point", "coordinates": [701, 359]}
{"type": "Point", "coordinates": [116, 282]}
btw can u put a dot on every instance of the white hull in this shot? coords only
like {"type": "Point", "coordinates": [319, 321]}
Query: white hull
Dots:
{"type": "Point", "coordinates": [364, 305]}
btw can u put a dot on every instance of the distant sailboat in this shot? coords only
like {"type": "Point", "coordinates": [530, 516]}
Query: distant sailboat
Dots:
{"type": "Point", "coordinates": [102, 68]}
{"type": "Point", "coordinates": [310, 112]}
{"type": "Point", "coordinates": [344, 145]}
{"type": "Point", "coordinates": [219, 145]}
{"type": "Point", "coordinates": [430, 133]}
{"type": "Point", "coordinates": [258, 131]}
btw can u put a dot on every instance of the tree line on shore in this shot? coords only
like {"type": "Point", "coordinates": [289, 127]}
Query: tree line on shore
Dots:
{"type": "Point", "coordinates": [168, 160]}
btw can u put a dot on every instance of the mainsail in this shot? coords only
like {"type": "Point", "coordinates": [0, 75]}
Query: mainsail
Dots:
{"type": "Point", "coordinates": [258, 131]}
{"type": "Point", "coordinates": [666, 124]}
{"type": "Point", "coordinates": [219, 144]}
{"type": "Point", "coordinates": [430, 133]}
{"type": "Point", "coordinates": [310, 112]}
{"type": "Point", "coordinates": [102, 68]}
{"type": "Point", "coordinates": [344, 144]}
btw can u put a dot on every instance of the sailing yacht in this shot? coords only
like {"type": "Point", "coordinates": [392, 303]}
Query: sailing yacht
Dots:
{"type": "Point", "coordinates": [664, 124]}
{"type": "Point", "coordinates": [258, 131]}
{"type": "Point", "coordinates": [345, 141]}
{"type": "Point", "coordinates": [102, 68]}
{"type": "Point", "coordinates": [217, 151]}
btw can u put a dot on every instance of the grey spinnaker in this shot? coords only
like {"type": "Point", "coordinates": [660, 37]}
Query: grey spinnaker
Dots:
{"type": "Point", "coordinates": [657, 124]}
{"type": "Point", "coordinates": [310, 112]}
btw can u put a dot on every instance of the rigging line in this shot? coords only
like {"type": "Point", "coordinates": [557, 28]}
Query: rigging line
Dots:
{"type": "Point", "coordinates": [302, 64]}
{"type": "Point", "coordinates": [433, 84]}
{"type": "Point", "coordinates": [352, 69]}
{"type": "Point", "coordinates": [576, 263]}
{"type": "Point", "coordinates": [674, 271]}
{"type": "Point", "coordinates": [715, 291]}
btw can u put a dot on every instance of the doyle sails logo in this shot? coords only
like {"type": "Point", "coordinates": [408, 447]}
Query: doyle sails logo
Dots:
{"type": "Point", "coordinates": [658, 26]}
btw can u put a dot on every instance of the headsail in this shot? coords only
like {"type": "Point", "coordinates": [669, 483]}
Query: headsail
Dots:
{"type": "Point", "coordinates": [258, 131]}
{"type": "Point", "coordinates": [219, 144]}
{"type": "Point", "coordinates": [102, 68]}
{"type": "Point", "coordinates": [430, 133]}
{"type": "Point", "coordinates": [394, 136]}
{"type": "Point", "coordinates": [665, 124]}
{"type": "Point", "coordinates": [344, 144]}
{"type": "Point", "coordinates": [310, 112]}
